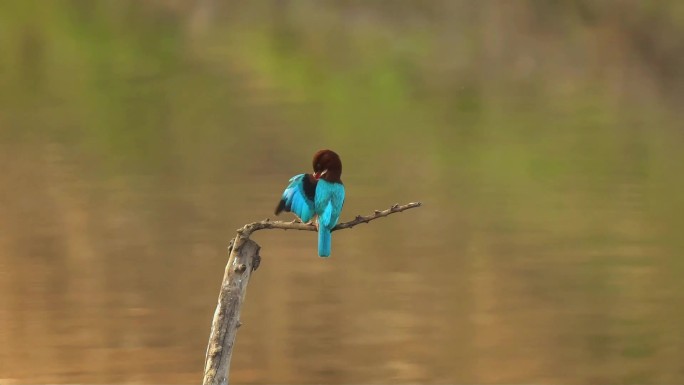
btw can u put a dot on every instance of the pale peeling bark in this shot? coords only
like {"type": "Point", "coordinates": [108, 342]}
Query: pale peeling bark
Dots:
{"type": "Point", "coordinates": [244, 258]}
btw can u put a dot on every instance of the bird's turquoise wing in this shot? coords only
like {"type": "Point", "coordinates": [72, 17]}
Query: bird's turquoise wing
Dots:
{"type": "Point", "coordinates": [328, 202]}
{"type": "Point", "coordinates": [298, 197]}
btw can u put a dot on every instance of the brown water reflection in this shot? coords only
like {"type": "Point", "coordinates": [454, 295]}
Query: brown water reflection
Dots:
{"type": "Point", "coordinates": [135, 137]}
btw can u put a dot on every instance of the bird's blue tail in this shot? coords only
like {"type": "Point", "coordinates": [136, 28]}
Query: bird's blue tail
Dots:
{"type": "Point", "coordinates": [324, 240]}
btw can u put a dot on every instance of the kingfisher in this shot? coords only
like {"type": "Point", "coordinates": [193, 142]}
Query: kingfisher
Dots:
{"type": "Point", "coordinates": [319, 195]}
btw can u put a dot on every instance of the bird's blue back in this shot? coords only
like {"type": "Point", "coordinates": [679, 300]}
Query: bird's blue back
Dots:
{"type": "Point", "coordinates": [328, 203]}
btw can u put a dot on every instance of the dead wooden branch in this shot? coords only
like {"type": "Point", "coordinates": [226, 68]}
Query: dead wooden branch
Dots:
{"type": "Point", "coordinates": [243, 259]}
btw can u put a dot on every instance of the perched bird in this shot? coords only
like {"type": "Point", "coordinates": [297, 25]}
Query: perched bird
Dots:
{"type": "Point", "coordinates": [320, 194]}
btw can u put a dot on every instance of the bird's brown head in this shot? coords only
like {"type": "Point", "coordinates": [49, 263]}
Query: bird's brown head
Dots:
{"type": "Point", "coordinates": [327, 166]}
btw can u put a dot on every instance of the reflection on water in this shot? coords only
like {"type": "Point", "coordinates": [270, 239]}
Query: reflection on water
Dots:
{"type": "Point", "coordinates": [136, 138]}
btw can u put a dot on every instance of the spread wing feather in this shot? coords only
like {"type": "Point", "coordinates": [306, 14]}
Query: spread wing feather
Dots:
{"type": "Point", "coordinates": [298, 197]}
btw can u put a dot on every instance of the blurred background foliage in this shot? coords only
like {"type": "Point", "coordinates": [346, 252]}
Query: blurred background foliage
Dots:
{"type": "Point", "coordinates": [544, 138]}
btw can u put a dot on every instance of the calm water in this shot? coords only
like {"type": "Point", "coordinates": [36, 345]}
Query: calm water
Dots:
{"type": "Point", "coordinates": [135, 137]}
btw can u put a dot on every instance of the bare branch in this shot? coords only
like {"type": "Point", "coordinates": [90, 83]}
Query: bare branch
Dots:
{"type": "Point", "coordinates": [242, 261]}
{"type": "Point", "coordinates": [248, 229]}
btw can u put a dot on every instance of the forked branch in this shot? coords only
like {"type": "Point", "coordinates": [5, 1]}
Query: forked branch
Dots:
{"type": "Point", "coordinates": [242, 261]}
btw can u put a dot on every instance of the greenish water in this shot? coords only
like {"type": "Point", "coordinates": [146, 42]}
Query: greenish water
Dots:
{"type": "Point", "coordinates": [136, 136]}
